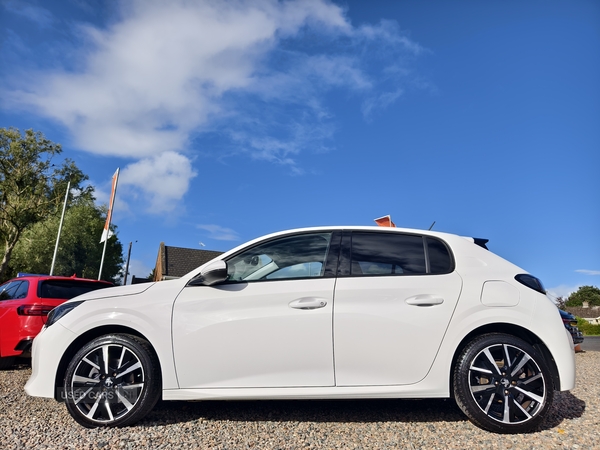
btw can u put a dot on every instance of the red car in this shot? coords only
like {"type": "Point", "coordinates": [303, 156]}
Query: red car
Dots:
{"type": "Point", "coordinates": [24, 304]}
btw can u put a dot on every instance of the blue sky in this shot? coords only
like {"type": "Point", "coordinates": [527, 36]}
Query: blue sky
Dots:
{"type": "Point", "coordinates": [233, 119]}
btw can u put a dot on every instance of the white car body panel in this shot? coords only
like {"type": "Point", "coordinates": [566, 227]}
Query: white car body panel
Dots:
{"type": "Point", "coordinates": [372, 315]}
{"type": "Point", "coordinates": [247, 335]}
{"type": "Point", "coordinates": [313, 350]}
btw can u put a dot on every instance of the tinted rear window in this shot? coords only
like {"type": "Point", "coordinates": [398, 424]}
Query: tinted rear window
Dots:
{"type": "Point", "coordinates": [398, 254]}
{"type": "Point", "coordinates": [67, 289]}
{"type": "Point", "coordinates": [387, 254]}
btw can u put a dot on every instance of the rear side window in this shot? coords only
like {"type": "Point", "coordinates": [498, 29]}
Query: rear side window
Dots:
{"type": "Point", "coordinates": [398, 254]}
{"type": "Point", "coordinates": [14, 290]}
{"type": "Point", "coordinates": [67, 289]}
{"type": "Point", "coordinates": [387, 254]}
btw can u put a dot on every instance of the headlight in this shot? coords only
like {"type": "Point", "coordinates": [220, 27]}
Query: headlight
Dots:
{"type": "Point", "coordinates": [60, 311]}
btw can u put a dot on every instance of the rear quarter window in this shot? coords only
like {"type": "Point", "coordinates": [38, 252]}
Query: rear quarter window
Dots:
{"type": "Point", "coordinates": [440, 259]}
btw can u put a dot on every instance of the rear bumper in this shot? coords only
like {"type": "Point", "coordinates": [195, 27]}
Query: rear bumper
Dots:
{"type": "Point", "coordinates": [24, 345]}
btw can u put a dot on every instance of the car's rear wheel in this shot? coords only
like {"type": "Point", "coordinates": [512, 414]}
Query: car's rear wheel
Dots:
{"type": "Point", "coordinates": [7, 362]}
{"type": "Point", "coordinates": [114, 380]}
{"type": "Point", "coordinates": [502, 384]}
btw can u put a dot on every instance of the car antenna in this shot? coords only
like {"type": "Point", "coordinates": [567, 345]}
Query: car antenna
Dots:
{"type": "Point", "coordinates": [432, 225]}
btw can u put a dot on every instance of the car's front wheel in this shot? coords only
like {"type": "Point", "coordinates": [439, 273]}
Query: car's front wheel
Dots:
{"type": "Point", "coordinates": [114, 380]}
{"type": "Point", "coordinates": [503, 384]}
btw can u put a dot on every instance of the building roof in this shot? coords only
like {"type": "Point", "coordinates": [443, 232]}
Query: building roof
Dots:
{"type": "Point", "coordinates": [174, 262]}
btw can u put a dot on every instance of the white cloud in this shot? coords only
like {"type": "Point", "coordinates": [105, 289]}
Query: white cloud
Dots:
{"type": "Point", "coordinates": [163, 178]}
{"type": "Point", "coordinates": [163, 72]}
{"type": "Point", "coordinates": [220, 233]}
{"type": "Point", "coordinates": [381, 102]}
{"type": "Point", "coordinates": [150, 79]}
{"type": "Point", "coordinates": [588, 272]}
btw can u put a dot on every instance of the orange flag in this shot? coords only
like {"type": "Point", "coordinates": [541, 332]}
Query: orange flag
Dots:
{"type": "Point", "coordinates": [106, 233]}
{"type": "Point", "coordinates": [385, 221]}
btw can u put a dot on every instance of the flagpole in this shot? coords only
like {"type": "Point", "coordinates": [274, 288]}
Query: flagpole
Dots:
{"type": "Point", "coordinates": [106, 231]}
{"type": "Point", "coordinates": [102, 260]}
{"type": "Point", "coordinates": [62, 218]}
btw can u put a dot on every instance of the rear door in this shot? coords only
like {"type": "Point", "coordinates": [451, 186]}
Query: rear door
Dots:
{"type": "Point", "coordinates": [393, 302]}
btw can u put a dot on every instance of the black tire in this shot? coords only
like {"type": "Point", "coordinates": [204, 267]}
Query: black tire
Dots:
{"type": "Point", "coordinates": [7, 362]}
{"type": "Point", "coordinates": [113, 381]}
{"type": "Point", "coordinates": [502, 384]}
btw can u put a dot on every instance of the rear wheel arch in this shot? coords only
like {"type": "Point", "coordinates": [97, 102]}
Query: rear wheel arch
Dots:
{"type": "Point", "coordinates": [503, 384]}
{"type": "Point", "coordinates": [86, 337]}
{"type": "Point", "coordinates": [513, 330]}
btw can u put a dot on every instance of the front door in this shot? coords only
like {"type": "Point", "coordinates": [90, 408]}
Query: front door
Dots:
{"type": "Point", "coordinates": [269, 325]}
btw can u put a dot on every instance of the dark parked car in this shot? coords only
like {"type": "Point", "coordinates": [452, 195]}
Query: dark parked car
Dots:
{"type": "Point", "coordinates": [25, 303]}
{"type": "Point", "coordinates": [570, 322]}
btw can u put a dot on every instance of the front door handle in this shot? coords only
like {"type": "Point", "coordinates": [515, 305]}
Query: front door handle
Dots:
{"type": "Point", "coordinates": [424, 300]}
{"type": "Point", "coordinates": [308, 303]}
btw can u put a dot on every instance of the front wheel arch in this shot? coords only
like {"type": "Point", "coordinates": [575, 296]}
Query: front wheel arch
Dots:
{"type": "Point", "coordinates": [86, 337]}
{"type": "Point", "coordinates": [112, 381]}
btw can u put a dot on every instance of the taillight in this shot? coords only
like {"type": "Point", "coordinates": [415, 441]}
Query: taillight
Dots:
{"type": "Point", "coordinates": [34, 310]}
{"type": "Point", "coordinates": [570, 322]}
{"type": "Point", "coordinates": [531, 282]}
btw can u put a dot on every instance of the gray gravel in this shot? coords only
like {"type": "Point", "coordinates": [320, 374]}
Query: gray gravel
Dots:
{"type": "Point", "coordinates": [27, 422]}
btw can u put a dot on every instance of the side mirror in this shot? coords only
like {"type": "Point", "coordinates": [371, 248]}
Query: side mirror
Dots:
{"type": "Point", "coordinates": [214, 273]}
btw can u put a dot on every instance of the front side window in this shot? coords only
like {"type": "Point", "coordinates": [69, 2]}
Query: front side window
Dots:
{"type": "Point", "coordinates": [290, 257]}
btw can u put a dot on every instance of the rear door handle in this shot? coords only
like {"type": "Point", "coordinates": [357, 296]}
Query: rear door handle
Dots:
{"type": "Point", "coordinates": [424, 300]}
{"type": "Point", "coordinates": [308, 303]}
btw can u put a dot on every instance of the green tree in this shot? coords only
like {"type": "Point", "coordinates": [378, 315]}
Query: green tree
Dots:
{"type": "Point", "coordinates": [590, 294]}
{"type": "Point", "coordinates": [31, 187]}
{"type": "Point", "coordinates": [80, 250]}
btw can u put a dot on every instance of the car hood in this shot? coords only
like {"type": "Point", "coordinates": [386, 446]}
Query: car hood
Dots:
{"type": "Point", "coordinates": [117, 291]}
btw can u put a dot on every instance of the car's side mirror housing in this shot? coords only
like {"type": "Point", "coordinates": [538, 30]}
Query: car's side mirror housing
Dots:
{"type": "Point", "coordinates": [214, 273]}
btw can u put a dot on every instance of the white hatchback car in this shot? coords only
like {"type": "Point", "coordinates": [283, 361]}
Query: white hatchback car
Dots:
{"type": "Point", "coordinates": [329, 312]}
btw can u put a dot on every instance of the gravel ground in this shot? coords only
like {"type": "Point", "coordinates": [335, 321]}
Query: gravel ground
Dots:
{"type": "Point", "coordinates": [27, 422]}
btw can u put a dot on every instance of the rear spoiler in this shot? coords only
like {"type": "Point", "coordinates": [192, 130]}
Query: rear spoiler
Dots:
{"type": "Point", "coordinates": [481, 242]}
{"type": "Point", "coordinates": [478, 241]}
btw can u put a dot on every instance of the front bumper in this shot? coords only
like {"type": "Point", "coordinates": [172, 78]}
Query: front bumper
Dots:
{"type": "Point", "coordinates": [46, 353]}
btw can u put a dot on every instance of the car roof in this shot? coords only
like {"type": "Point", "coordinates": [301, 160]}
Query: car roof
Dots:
{"type": "Point", "coordinates": [42, 277]}
{"type": "Point", "coordinates": [360, 228]}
